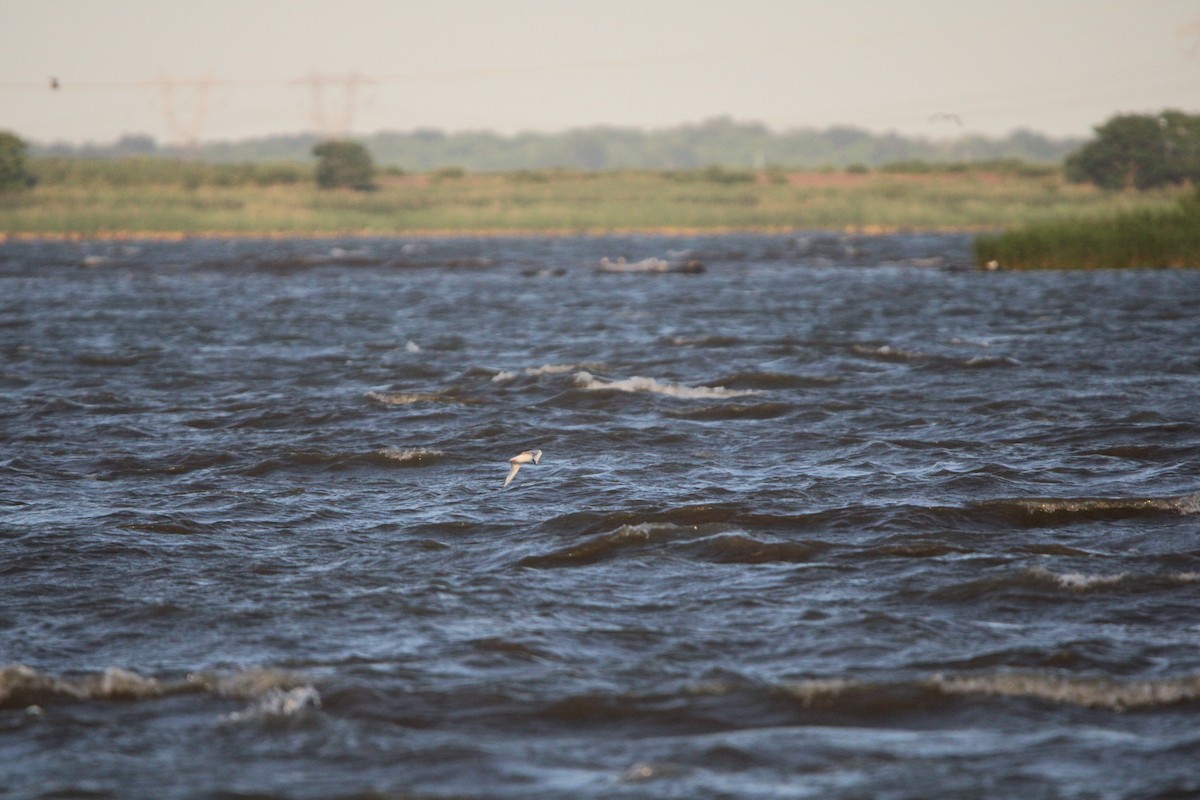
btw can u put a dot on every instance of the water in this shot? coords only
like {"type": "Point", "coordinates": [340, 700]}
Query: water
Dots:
{"type": "Point", "coordinates": [835, 518]}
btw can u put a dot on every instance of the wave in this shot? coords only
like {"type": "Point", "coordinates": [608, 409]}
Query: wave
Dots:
{"type": "Point", "coordinates": [606, 545]}
{"type": "Point", "coordinates": [1050, 511]}
{"type": "Point", "coordinates": [505, 376]}
{"type": "Point", "coordinates": [412, 456]}
{"type": "Point", "coordinates": [301, 460]}
{"type": "Point", "coordinates": [736, 548]}
{"type": "Point", "coordinates": [277, 704]}
{"type": "Point", "coordinates": [755, 379]}
{"type": "Point", "coordinates": [408, 398]}
{"type": "Point", "coordinates": [1086, 582]}
{"type": "Point", "coordinates": [585, 380]}
{"type": "Point", "coordinates": [887, 353]}
{"type": "Point", "coordinates": [898, 355]}
{"type": "Point", "coordinates": [21, 687]}
{"type": "Point", "coordinates": [942, 525]}
{"type": "Point", "coordinates": [736, 702]}
{"type": "Point", "coordinates": [270, 692]}
{"type": "Point", "coordinates": [170, 524]}
{"type": "Point", "coordinates": [735, 532]}
{"type": "Point", "coordinates": [1038, 580]}
{"type": "Point", "coordinates": [730, 411]}
{"type": "Point", "coordinates": [708, 541]}
{"type": "Point", "coordinates": [1099, 693]}
{"type": "Point", "coordinates": [711, 340]}
{"type": "Point", "coordinates": [869, 698]}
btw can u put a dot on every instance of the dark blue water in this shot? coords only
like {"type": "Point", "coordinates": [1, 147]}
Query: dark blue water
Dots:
{"type": "Point", "coordinates": [835, 518]}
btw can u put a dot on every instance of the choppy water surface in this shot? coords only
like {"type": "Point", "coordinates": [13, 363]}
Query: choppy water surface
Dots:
{"type": "Point", "coordinates": [835, 518]}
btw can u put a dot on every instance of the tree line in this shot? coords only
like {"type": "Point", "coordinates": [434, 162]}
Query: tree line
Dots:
{"type": "Point", "coordinates": [1137, 151]}
{"type": "Point", "coordinates": [717, 142]}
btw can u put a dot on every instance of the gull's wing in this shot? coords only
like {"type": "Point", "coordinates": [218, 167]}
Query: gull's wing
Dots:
{"type": "Point", "coordinates": [512, 473]}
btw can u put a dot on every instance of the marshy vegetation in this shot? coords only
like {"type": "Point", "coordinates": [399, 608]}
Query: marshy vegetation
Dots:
{"type": "Point", "coordinates": [1163, 237]}
{"type": "Point", "coordinates": [152, 196]}
{"type": "Point", "coordinates": [1131, 152]}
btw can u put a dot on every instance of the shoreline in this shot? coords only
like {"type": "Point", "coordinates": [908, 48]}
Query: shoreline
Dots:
{"type": "Point", "coordinates": [483, 233]}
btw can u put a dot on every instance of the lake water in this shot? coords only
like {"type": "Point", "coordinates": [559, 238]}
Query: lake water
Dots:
{"type": "Point", "coordinates": [837, 517]}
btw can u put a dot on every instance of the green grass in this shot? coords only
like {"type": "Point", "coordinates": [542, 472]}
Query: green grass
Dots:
{"type": "Point", "coordinates": [148, 197]}
{"type": "Point", "coordinates": [1167, 237]}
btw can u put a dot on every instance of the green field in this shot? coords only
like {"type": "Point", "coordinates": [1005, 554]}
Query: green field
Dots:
{"type": "Point", "coordinates": [154, 197]}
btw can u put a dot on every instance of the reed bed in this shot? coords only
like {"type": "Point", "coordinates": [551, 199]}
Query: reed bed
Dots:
{"type": "Point", "coordinates": [1158, 237]}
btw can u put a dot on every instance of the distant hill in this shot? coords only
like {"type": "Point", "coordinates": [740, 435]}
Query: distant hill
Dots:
{"type": "Point", "coordinates": [721, 141]}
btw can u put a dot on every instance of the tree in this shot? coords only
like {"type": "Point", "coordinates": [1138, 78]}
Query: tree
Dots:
{"type": "Point", "coordinates": [1181, 141]}
{"type": "Point", "coordinates": [1140, 151]}
{"type": "Point", "coordinates": [344, 163]}
{"type": "Point", "coordinates": [13, 174]}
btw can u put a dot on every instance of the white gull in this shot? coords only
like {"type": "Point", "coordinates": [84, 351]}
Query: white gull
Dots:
{"type": "Point", "coordinates": [528, 457]}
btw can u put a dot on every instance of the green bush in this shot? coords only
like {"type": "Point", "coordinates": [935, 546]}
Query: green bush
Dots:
{"type": "Point", "coordinates": [344, 164]}
{"type": "Point", "coordinates": [13, 174]}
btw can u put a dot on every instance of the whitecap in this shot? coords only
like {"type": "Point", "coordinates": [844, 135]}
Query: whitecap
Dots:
{"type": "Point", "coordinates": [18, 680]}
{"type": "Point", "coordinates": [507, 376]}
{"type": "Point", "coordinates": [406, 398]}
{"type": "Point", "coordinates": [280, 704]}
{"type": "Point", "coordinates": [410, 455]}
{"type": "Point", "coordinates": [246, 684]}
{"type": "Point", "coordinates": [1078, 581]}
{"type": "Point", "coordinates": [585, 380]}
{"type": "Point", "coordinates": [1101, 693]}
{"type": "Point", "coordinates": [644, 265]}
{"type": "Point", "coordinates": [551, 369]}
{"type": "Point", "coordinates": [820, 691]}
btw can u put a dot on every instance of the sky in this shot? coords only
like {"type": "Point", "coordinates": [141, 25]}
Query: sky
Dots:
{"type": "Point", "coordinates": [187, 70]}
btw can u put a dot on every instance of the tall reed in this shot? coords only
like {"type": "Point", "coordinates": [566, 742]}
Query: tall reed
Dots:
{"type": "Point", "coordinates": [1141, 238]}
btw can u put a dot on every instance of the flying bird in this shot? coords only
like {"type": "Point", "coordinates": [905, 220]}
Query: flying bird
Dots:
{"type": "Point", "coordinates": [528, 457]}
{"type": "Point", "coordinates": [944, 117]}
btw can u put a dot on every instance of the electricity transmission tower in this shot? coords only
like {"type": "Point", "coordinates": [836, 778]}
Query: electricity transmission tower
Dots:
{"type": "Point", "coordinates": [333, 122]}
{"type": "Point", "coordinates": [185, 128]}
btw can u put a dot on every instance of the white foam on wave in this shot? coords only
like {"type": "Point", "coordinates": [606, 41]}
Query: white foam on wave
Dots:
{"type": "Point", "coordinates": [1188, 503]}
{"type": "Point", "coordinates": [1086, 582]}
{"type": "Point", "coordinates": [114, 683]}
{"type": "Point", "coordinates": [409, 455]}
{"type": "Point", "coordinates": [19, 682]}
{"type": "Point", "coordinates": [818, 692]}
{"type": "Point", "coordinates": [1089, 692]}
{"type": "Point", "coordinates": [1078, 581]}
{"type": "Point", "coordinates": [1103, 693]}
{"type": "Point", "coordinates": [406, 398]}
{"type": "Point", "coordinates": [888, 353]}
{"type": "Point", "coordinates": [279, 704]}
{"type": "Point", "coordinates": [586, 380]}
{"type": "Point", "coordinates": [506, 376]}
{"type": "Point", "coordinates": [1176, 504]}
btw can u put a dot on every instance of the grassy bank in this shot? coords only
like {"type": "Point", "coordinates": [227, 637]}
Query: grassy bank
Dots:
{"type": "Point", "coordinates": [155, 197]}
{"type": "Point", "coordinates": [1160, 237]}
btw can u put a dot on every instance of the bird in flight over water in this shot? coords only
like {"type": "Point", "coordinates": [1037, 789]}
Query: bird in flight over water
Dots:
{"type": "Point", "coordinates": [528, 457]}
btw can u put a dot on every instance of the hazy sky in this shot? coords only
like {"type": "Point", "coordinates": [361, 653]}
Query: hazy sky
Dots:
{"type": "Point", "coordinates": [221, 69]}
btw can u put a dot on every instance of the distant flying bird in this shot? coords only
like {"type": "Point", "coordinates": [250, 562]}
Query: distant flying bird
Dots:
{"type": "Point", "coordinates": [944, 117]}
{"type": "Point", "coordinates": [54, 83]}
{"type": "Point", "coordinates": [529, 456]}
